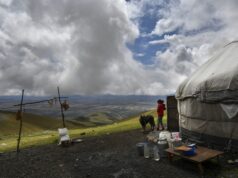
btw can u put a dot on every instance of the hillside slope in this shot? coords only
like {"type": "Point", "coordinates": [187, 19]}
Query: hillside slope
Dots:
{"type": "Point", "coordinates": [9, 126]}
{"type": "Point", "coordinates": [46, 137]}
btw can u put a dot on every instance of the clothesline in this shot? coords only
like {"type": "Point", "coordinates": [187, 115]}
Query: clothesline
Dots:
{"type": "Point", "coordinates": [36, 102]}
{"type": "Point", "coordinates": [30, 103]}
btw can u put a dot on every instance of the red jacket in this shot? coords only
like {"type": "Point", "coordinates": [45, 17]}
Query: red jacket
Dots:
{"type": "Point", "coordinates": [160, 109]}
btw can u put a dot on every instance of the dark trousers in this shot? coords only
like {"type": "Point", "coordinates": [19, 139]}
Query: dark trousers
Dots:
{"type": "Point", "coordinates": [160, 122]}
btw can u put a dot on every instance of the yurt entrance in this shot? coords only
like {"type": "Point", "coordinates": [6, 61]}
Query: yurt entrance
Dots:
{"type": "Point", "coordinates": [172, 114]}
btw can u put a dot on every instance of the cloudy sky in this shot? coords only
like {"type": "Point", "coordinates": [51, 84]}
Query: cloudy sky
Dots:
{"type": "Point", "coordinates": [109, 46]}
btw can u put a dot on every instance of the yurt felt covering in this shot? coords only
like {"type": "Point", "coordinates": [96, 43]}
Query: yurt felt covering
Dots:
{"type": "Point", "coordinates": [208, 101]}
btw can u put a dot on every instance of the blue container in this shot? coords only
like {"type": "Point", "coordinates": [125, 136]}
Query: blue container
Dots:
{"type": "Point", "coordinates": [191, 152]}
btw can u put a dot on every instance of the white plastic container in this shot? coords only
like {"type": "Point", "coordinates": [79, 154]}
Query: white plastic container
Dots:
{"type": "Point", "coordinates": [156, 153]}
{"type": "Point", "coordinates": [176, 136]}
{"type": "Point", "coordinates": [146, 150]}
{"type": "Point", "coordinates": [165, 135]}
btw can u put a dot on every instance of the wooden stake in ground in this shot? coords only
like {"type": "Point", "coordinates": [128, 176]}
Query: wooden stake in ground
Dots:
{"type": "Point", "coordinates": [61, 108]}
{"type": "Point", "coordinates": [20, 128]}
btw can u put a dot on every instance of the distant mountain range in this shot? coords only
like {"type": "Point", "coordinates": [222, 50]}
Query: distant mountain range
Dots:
{"type": "Point", "coordinates": [87, 99]}
{"type": "Point", "coordinates": [86, 110]}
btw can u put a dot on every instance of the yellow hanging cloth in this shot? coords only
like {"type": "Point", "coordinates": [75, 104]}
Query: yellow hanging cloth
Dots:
{"type": "Point", "coordinates": [55, 100]}
{"type": "Point", "coordinates": [50, 102]}
{"type": "Point", "coordinates": [18, 115]}
{"type": "Point", "coordinates": [65, 105]}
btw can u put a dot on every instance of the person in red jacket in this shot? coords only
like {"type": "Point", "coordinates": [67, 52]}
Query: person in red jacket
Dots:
{"type": "Point", "coordinates": [160, 112]}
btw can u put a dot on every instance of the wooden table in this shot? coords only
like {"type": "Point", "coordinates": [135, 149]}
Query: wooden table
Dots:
{"type": "Point", "coordinates": [202, 154]}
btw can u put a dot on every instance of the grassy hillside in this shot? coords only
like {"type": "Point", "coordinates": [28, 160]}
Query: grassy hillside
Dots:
{"type": "Point", "coordinates": [95, 119]}
{"type": "Point", "coordinates": [32, 123]}
{"type": "Point", "coordinates": [45, 137]}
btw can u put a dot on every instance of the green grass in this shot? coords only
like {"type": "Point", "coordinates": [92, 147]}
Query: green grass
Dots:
{"type": "Point", "coordinates": [40, 137]}
{"type": "Point", "coordinates": [9, 126]}
{"type": "Point", "coordinates": [100, 118]}
{"type": "Point", "coordinates": [93, 120]}
{"type": "Point", "coordinates": [46, 137]}
{"type": "Point", "coordinates": [36, 136]}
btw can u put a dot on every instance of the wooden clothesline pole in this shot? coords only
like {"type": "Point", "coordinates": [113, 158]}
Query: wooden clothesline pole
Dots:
{"type": "Point", "coordinates": [36, 102]}
{"type": "Point", "coordinates": [20, 128]}
{"type": "Point", "coordinates": [61, 108]}
{"type": "Point", "coordinates": [20, 115]}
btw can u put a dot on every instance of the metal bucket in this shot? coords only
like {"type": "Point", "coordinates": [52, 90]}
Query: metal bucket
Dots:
{"type": "Point", "coordinates": [163, 145]}
{"type": "Point", "coordinates": [140, 148]}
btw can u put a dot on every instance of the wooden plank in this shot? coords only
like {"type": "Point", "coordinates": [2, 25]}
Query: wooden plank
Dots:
{"type": "Point", "coordinates": [172, 114]}
{"type": "Point", "coordinates": [202, 154]}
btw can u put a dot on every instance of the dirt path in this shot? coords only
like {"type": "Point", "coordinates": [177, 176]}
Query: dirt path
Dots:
{"type": "Point", "coordinates": [112, 155]}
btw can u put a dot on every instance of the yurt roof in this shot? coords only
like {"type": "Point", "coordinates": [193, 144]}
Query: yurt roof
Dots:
{"type": "Point", "coordinates": [216, 80]}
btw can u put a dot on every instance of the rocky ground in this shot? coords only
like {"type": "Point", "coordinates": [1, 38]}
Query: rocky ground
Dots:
{"type": "Point", "coordinates": [113, 155]}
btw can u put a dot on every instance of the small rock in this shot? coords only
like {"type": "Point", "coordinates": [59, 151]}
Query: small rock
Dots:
{"type": "Point", "coordinates": [75, 165]}
{"type": "Point", "coordinates": [61, 165]}
{"type": "Point", "coordinates": [90, 157]}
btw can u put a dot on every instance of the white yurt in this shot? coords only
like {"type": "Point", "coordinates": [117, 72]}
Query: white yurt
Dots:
{"type": "Point", "coordinates": [208, 101]}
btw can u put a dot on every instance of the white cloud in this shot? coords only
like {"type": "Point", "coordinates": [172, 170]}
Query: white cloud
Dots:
{"type": "Point", "coordinates": [69, 43]}
{"type": "Point", "coordinates": [140, 54]}
{"type": "Point", "coordinates": [164, 26]}
{"type": "Point", "coordinates": [81, 45]}
{"type": "Point", "coordinates": [5, 2]}
{"type": "Point", "coordinates": [201, 28]}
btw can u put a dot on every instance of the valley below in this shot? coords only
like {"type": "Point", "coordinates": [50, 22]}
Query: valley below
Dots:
{"type": "Point", "coordinates": [86, 111]}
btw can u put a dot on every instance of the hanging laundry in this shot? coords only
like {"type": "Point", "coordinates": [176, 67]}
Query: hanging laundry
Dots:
{"type": "Point", "coordinates": [65, 105]}
{"type": "Point", "coordinates": [18, 115]}
{"type": "Point", "coordinates": [55, 100]}
{"type": "Point", "coordinates": [50, 102]}
{"type": "Point", "coordinates": [23, 108]}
